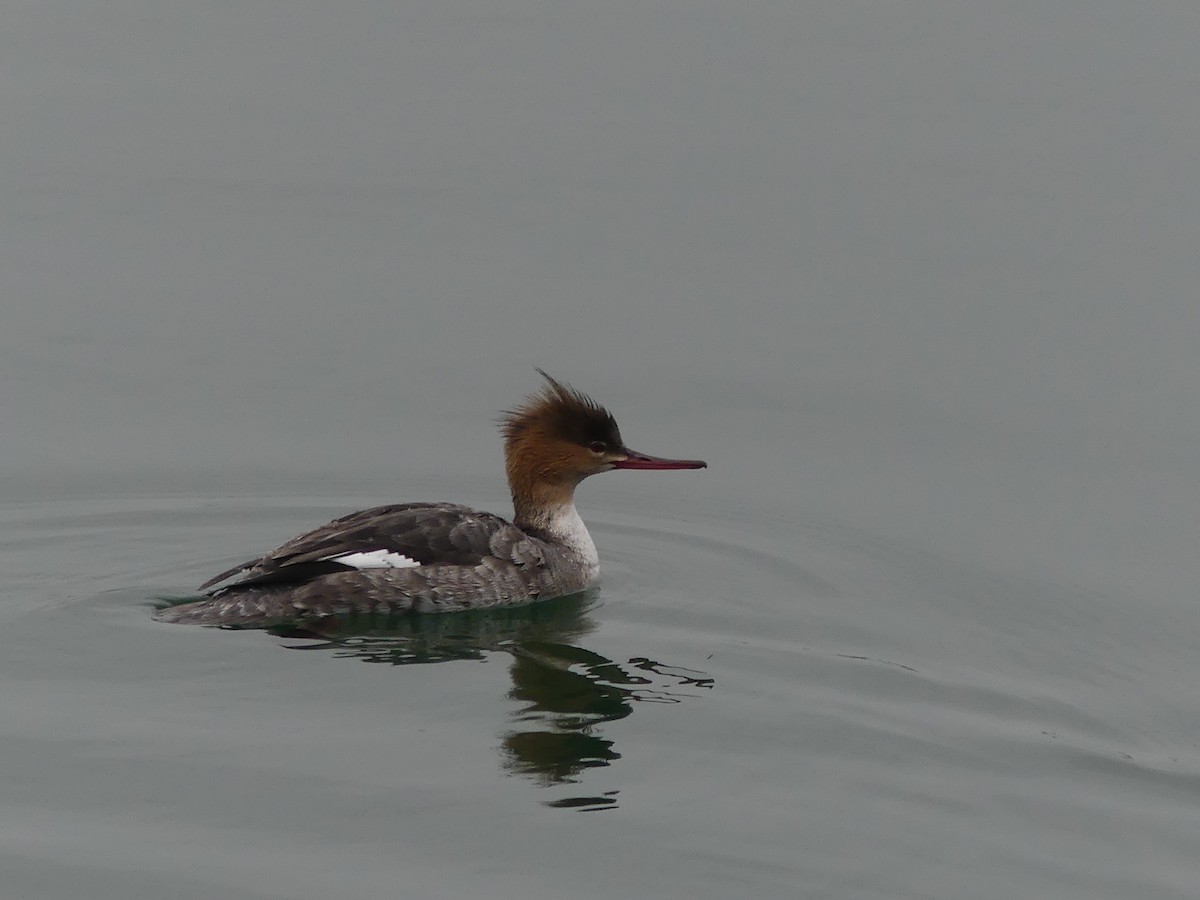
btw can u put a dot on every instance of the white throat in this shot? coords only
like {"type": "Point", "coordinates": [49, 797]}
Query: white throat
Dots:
{"type": "Point", "coordinates": [563, 525]}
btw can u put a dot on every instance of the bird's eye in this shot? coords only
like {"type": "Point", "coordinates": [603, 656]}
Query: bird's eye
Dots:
{"type": "Point", "coordinates": [597, 446]}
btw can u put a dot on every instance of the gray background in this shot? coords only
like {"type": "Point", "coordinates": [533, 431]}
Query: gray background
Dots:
{"type": "Point", "coordinates": [919, 280]}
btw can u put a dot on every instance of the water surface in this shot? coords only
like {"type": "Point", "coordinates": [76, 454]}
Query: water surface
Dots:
{"type": "Point", "coordinates": [917, 280]}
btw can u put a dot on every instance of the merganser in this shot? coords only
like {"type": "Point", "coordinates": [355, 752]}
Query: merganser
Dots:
{"type": "Point", "coordinates": [443, 557]}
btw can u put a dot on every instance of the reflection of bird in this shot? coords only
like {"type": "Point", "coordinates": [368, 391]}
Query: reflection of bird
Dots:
{"type": "Point", "coordinates": [556, 739]}
{"type": "Point", "coordinates": [570, 691]}
{"type": "Point", "coordinates": [566, 692]}
{"type": "Point", "coordinates": [438, 557]}
{"type": "Point", "coordinates": [416, 640]}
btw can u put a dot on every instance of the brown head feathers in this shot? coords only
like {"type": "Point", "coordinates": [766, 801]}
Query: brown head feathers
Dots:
{"type": "Point", "coordinates": [558, 411]}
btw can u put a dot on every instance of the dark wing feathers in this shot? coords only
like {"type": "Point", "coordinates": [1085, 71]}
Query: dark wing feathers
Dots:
{"type": "Point", "coordinates": [429, 533]}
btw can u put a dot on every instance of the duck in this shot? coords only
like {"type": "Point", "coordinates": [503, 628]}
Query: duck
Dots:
{"type": "Point", "coordinates": [445, 557]}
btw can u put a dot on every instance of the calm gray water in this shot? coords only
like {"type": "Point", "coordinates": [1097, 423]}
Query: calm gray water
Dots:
{"type": "Point", "coordinates": [918, 280]}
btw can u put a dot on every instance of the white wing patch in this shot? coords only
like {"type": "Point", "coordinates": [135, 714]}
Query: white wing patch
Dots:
{"type": "Point", "coordinates": [376, 559]}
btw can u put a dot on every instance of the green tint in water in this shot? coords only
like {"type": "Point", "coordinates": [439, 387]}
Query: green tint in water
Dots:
{"type": "Point", "coordinates": [566, 692]}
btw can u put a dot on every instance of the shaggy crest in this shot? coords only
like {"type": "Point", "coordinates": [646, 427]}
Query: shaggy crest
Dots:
{"type": "Point", "coordinates": [563, 412]}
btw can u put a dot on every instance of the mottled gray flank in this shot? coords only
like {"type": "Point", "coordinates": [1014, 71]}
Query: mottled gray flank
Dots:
{"type": "Point", "coordinates": [468, 560]}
